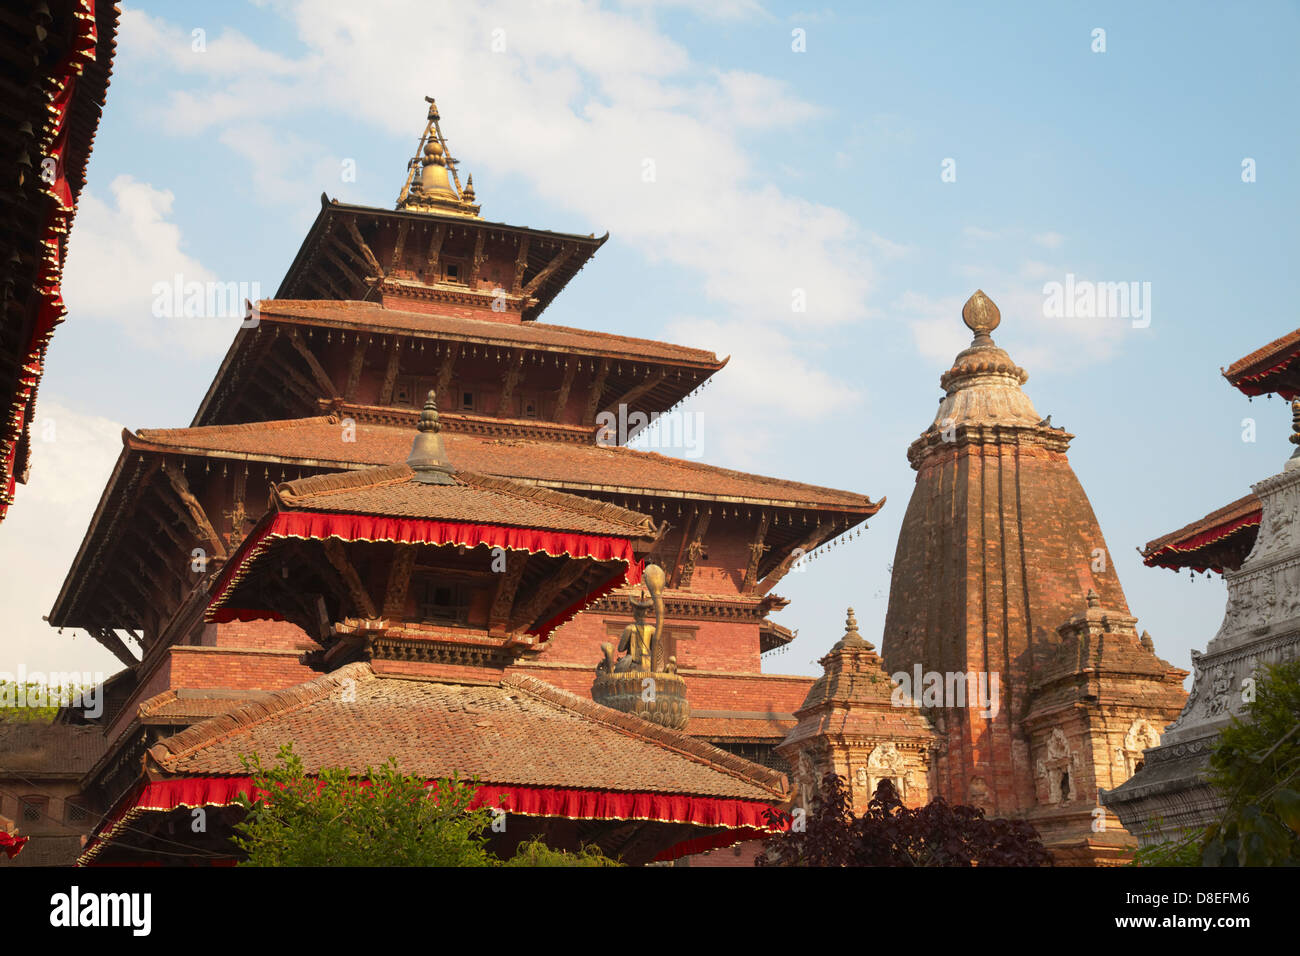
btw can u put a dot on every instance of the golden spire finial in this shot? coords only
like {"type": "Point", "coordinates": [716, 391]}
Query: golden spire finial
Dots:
{"type": "Point", "coordinates": [432, 182]}
{"type": "Point", "coordinates": [980, 314]}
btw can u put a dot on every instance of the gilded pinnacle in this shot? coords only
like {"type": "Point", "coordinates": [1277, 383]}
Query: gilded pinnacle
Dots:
{"type": "Point", "coordinates": [980, 314]}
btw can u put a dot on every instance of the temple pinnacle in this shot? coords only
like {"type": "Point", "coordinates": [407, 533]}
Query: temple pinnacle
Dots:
{"type": "Point", "coordinates": [851, 636]}
{"type": "Point", "coordinates": [428, 459]}
{"type": "Point", "coordinates": [980, 314]}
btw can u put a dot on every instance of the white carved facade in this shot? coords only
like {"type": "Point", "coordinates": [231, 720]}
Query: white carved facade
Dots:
{"type": "Point", "coordinates": [1261, 625]}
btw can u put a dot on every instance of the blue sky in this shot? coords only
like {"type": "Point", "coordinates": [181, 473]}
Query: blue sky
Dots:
{"type": "Point", "coordinates": [776, 170]}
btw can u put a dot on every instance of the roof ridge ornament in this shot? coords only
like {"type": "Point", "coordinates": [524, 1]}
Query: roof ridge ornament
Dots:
{"type": "Point", "coordinates": [428, 458]}
{"type": "Point", "coordinates": [435, 187]}
{"type": "Point", "coordinates": [981, 315]}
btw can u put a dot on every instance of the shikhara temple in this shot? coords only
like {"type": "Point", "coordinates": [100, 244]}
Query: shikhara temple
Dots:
{"type": "Point", "coordinates": [397, 527]}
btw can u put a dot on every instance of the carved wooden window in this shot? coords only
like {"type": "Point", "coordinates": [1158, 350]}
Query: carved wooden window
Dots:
{"type": "Point", "coordinates": [467, 400]}
{"type": "Point", "coordinates": [530, 406]}
{"type": "Point", "coordinates": [453, 271]}
{"type": "Point", "coordinates": [404, 390]}
{"type": "Point", "coordinates": [438, 601]}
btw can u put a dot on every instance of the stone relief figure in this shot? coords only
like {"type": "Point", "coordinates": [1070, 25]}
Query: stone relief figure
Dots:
{"type": "Point", "coordinates": [1057, 745]}
{"type": "Point", "coordinates": [806, 778]}
{"type": "Point", "coordinates": [1281, 529]}
{"type": "Point", "coordinates": [1193, 699]}
{"type": "Point", "coordinates": [1220, 691]}
{"type": "Point", "coordinates": [1141, 736]}
{"type": "Point", "coordinates": [1266, 602]}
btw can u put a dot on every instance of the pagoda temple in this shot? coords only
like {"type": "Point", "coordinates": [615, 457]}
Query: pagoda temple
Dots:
{"type": "Point", "coordinates": [1252, 544]}
{"type": "Point", "coordinates": [526, 559]}
{"type": "Point", "coordinates": [379, 308]}
{"type": "Point", "coordinates": [1004, 604]}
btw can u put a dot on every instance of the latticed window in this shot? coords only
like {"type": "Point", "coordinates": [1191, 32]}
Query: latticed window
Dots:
{"type": "Point", "coordinates": [32, 809]}
{"type": "Point", "coordinates": [75, 812]}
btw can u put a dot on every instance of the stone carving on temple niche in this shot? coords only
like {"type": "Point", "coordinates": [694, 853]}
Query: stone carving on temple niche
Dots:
{"type": "Point", "coordinates": [1141, 736]}
{"type": "Point", "coordinates": [644, 681]}
{"type": "Point", "coordinates": [1056, 770]}
{"type": "Point", "coordinates": [1220, 691]}
{"type": "Point", "coordinates": [885, 763]}
{"type": "Point", "coordinates": [1193, 702]}
{"type": "Point", "coordinates": [1266, 600]}
{"type": "Point", "coordinates": [806, 778]}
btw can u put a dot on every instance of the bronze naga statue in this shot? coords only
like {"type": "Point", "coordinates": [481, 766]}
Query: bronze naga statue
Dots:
{"type": "Point", "coordinates": [644, 680]}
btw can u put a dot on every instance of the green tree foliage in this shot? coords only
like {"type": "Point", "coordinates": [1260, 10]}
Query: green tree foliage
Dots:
{"type": "Point", "coordinates": [39, 703]}
{"type": "Point", "coordinates": [1184, 850]}
{"type": "Point", "coordinates": [380, 818]}
{"type": "Point", "coordinates": [1255, 764]}
{"type": "Point", "coordinates": [536, 853]}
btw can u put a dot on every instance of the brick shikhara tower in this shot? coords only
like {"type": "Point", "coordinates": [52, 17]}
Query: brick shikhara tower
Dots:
{"type": "Point", "coordinates": [1002, 572]}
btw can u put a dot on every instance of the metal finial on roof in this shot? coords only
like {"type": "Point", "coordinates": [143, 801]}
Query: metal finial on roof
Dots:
{"type": "Point", "coordinates": [428, 458]}
{"type": "Point", "coordinates": [432, 181]}
{"type": "Point", "coordinates": [980, 314]}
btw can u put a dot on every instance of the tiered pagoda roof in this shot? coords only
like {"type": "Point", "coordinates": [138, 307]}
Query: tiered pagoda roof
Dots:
{"type": "Point", "coordinates": [144, 488]}
{"type": "Point", "coordinates": [644, 374]}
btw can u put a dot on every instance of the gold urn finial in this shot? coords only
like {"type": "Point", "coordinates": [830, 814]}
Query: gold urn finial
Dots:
{"type": "Point", "coordinates": [432, 182]}
{"type": "Point", "coordinates": [980, 314]}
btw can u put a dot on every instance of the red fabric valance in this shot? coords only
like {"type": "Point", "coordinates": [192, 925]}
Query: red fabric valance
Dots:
{"type": "Point", "coordinates": [740, 819]}
{"type": "Point", "coordinates": [312, 525]}
{"type": "Point", "coordinates": [1176, 553]}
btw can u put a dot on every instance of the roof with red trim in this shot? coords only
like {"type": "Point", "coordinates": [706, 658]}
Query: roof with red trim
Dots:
{"type": "Point", "coordinates": [393, 491]}
{"type": "Point", "coordinates": [1272, 368]}
{"type": "Point", "coordinates": [1206, 542]}
{"type": "Point", "coordinates": [521, 732]}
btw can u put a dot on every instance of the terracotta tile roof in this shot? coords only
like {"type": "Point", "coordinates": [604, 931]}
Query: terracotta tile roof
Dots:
{"type": "Point", "coordinates": [1259, 372]}
{"type": "Point", "coordinates": [521, 732]}
{"type": "Point", "coordinates": [41, 749]}
{"type": "Point", "coordinates": [1187, 546]}
{"type": "Point", "coordinates": [319, 441]}
{"type": "Point", "coordinates": [722, 728]}
{"type": "Point", "coordinates": [185, 705]}
{"type": "Point", "coordinates": [327, 313]}
{"type": "Point", "coordinates": [392, 491]}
